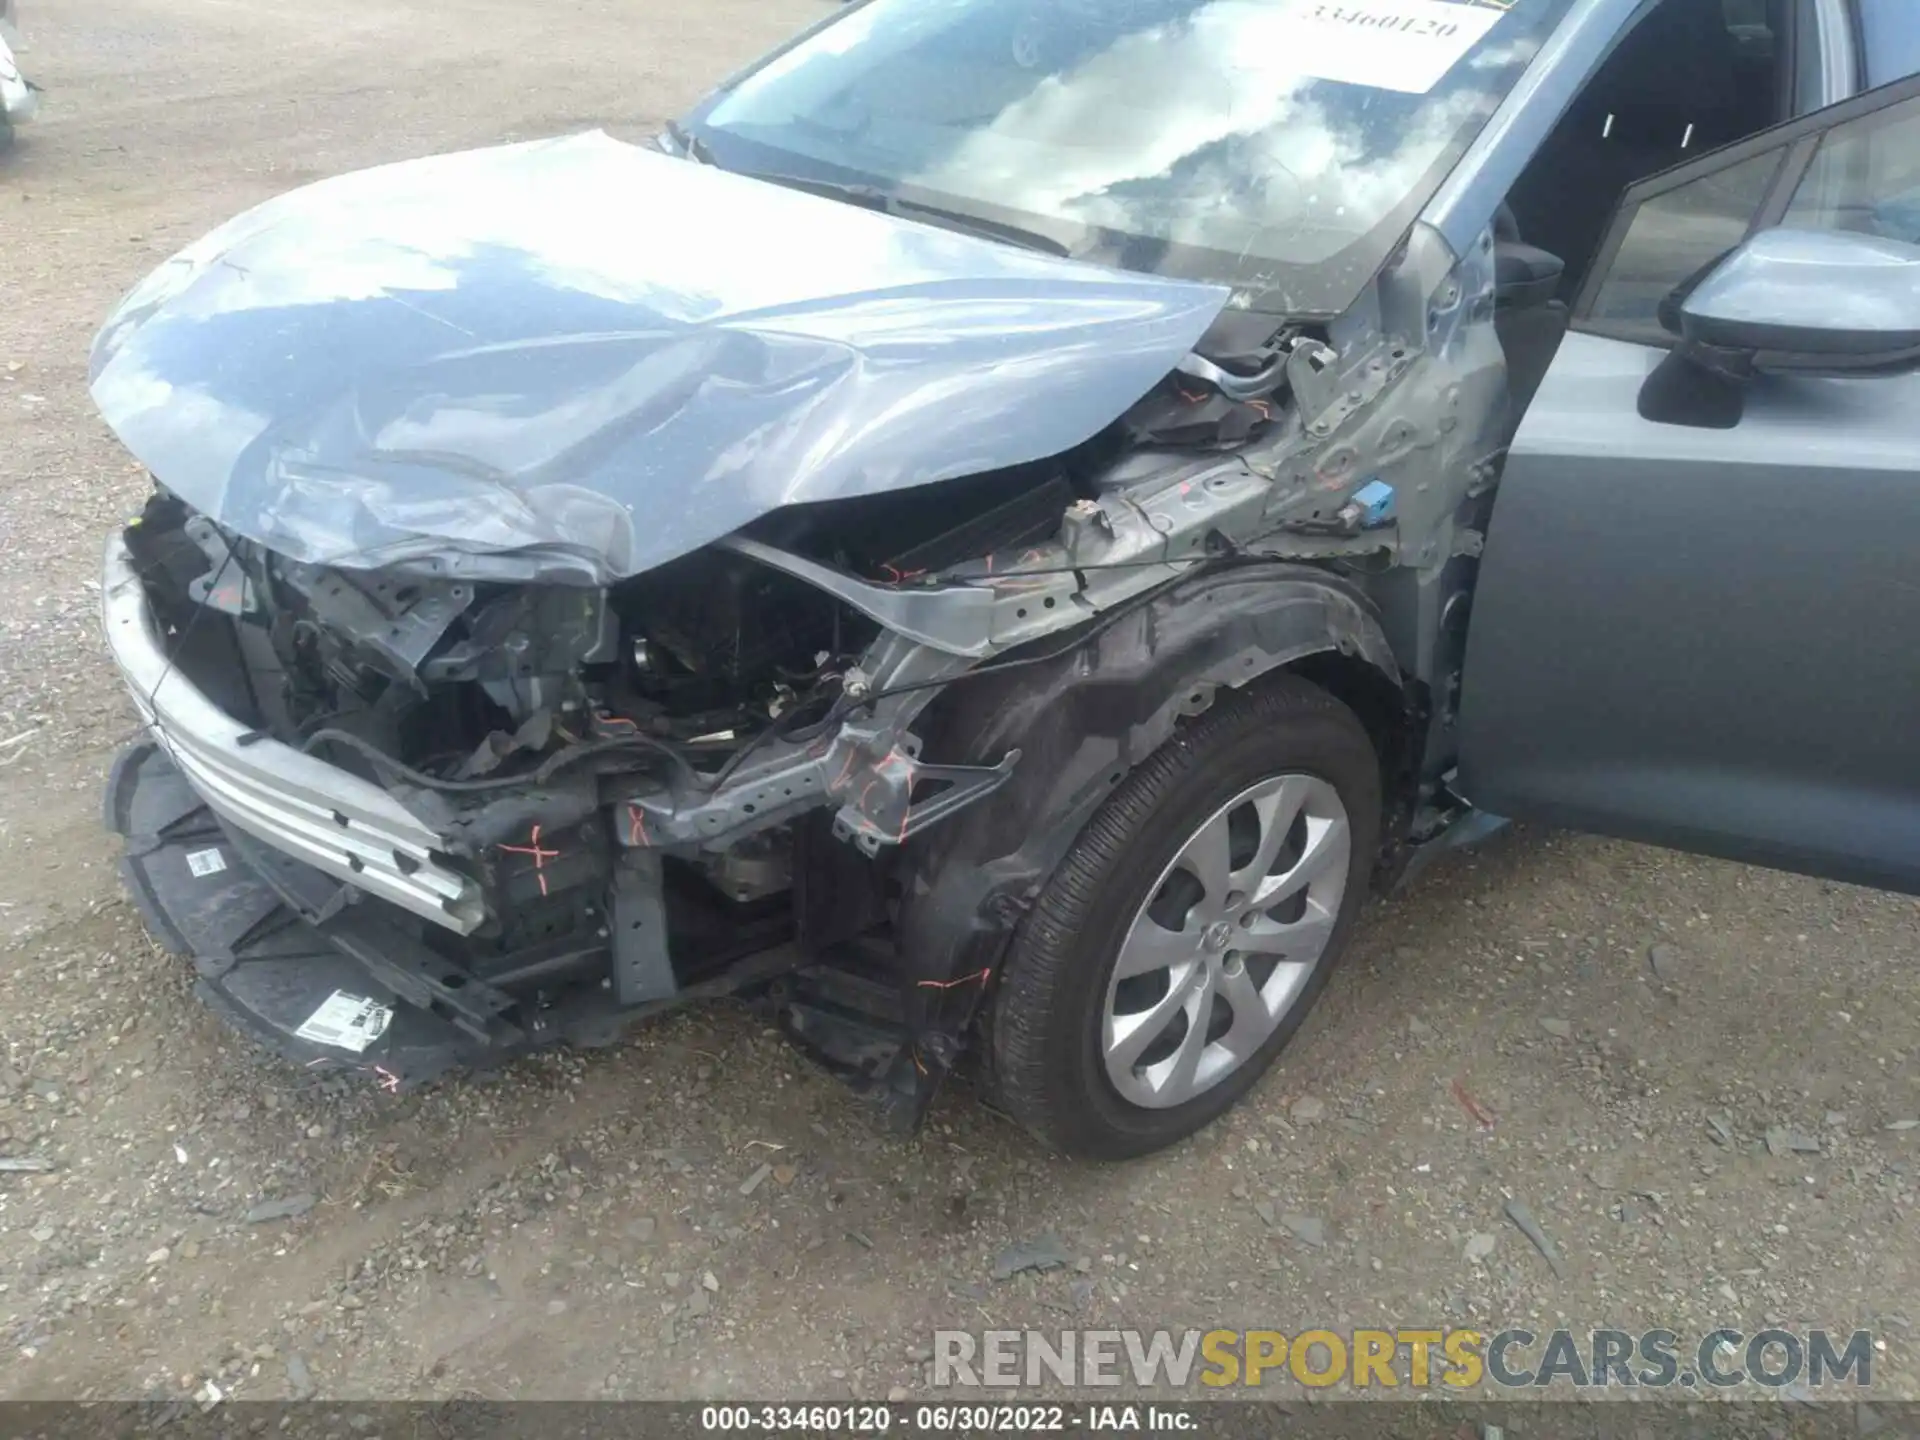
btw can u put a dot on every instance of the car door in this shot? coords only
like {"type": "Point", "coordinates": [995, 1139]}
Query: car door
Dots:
{"type": "Point", "coordinates": [1709, 638]}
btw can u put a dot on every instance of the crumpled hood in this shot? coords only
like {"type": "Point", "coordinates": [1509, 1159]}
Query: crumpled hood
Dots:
{"type": "Point", "coordinates": [578, 358]}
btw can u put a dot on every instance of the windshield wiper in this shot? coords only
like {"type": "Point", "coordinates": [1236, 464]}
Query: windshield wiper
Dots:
{"type": "Point", "coordinates": [690, 144]}
{"type": "Point", "coordinates": [887, 202]}
{"type": "Point", "coordinates": [980, 225]}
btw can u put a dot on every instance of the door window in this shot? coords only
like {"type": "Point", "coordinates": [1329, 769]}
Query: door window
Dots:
{"type": "Point", "coordinates": [1672, 235]}
{"type": "Point", "coordinates": [1687, 78]}
{"type": "Point", "coordinates": [1854, 166]}
{"type": "Point", "coordinates": [1865, 177]}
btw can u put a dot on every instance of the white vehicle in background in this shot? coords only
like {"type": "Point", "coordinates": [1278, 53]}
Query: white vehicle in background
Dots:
{"type": "Point", "coordinates": [18, 98]}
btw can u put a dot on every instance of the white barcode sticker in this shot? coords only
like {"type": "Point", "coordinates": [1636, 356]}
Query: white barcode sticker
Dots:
{"type": "Point", "coordinates": [347, 1021]}
{"type": "Point", "coordinates": [1405, 45]}
{"type": "Point", "coordinates": [205, 862]}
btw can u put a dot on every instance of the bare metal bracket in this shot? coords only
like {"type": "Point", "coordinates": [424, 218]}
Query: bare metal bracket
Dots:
{"type": "Point", "coordinates": [955, 618]}
{"type": "Point", "coordinates": [884, 812]}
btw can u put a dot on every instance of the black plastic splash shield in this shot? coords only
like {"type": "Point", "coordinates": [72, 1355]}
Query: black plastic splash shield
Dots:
{"type": "Point", "coordinates": [263, 962]}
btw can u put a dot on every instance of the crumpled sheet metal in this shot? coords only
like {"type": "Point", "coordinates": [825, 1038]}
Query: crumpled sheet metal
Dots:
{"type": "Point", "coordinates": [576, 359]}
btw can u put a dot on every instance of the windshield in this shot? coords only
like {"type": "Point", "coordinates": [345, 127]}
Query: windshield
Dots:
{"type": "Point", "coordinates": [1282, 147]}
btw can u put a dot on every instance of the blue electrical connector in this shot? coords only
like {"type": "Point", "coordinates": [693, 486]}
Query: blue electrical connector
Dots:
{"type": "Point", "coordinates": [1371, 505]}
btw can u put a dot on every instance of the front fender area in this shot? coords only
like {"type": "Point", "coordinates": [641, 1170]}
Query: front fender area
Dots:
{"type": "Point", "coordinates": [1082, 721]}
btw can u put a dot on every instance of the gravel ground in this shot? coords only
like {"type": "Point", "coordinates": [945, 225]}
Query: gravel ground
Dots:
{"type": "Point", "coordinates": [1613, 1035]}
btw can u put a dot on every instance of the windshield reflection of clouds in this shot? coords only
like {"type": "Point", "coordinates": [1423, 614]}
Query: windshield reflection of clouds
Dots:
{"type": "Point", "coordinates": [1256, 148]}
{"type": "Point", "coordinates": [1202, 138]}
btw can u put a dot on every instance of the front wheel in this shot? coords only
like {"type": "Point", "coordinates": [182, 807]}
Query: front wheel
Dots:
{"type": "Point", "coordinates": [1183, 938]}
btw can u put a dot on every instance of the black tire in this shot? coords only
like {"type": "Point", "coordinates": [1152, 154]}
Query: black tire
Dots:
{"type": "Point", "coordinates": [1043, 1050]}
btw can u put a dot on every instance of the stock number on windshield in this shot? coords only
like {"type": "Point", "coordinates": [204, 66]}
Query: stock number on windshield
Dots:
{"type": "Point", "coordinates": [768, 1419]}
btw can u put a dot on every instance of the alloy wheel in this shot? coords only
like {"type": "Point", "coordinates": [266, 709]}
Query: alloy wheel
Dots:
{"type": "Point", "coordinates": [1226, 940]}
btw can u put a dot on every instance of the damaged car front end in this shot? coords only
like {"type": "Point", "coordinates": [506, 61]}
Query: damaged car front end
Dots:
{"type": "Point", "coordinates": [582, 579]}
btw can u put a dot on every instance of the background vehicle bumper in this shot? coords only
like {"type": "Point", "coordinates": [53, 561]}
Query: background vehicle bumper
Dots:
{"type": "Point", "coordinates": [18, 100]}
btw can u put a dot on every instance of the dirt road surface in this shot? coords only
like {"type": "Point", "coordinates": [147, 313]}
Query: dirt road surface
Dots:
{"type": "Point", "coordinates": [1701, 1079]}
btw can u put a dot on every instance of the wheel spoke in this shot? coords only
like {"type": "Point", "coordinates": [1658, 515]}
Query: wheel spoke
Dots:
{"type": "Point", "coordinates": [1251, 1021]}
{"type": "Point", "coordinates": [1327, 852]}
{"type": "Point", "coordinates": [1129, 1035]}
{"type": "Point", "coordinates": [1301, 939]}
{"type": "Point", "coordinates": [1209, 855]}
{"type": "Point", "coordinates": [1150, 946]}
{"type": "Point", "coordinates": [1173, 1077]}
{"type": "Point", "coordinates": [1277, 812]}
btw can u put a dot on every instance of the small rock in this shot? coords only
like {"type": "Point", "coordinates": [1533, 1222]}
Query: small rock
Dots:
{"type": "Point", "coordinates": [42, 1233]}
{"type": "Point", "coordinates": [783, 1174]}
{"type": "Point", "coordinates": [160, 1256]}
{"type": "Point", "coordinates": [1729, 1294]}
{"type": "Point", "coordinates": [641, 1229]}
{"type": "Point", "coordinates": [1559, 1029]}
{"type": "Point", "coordinates": [1081, 1293]}
{"type": "Point", "coordinates": [1480, 1245]}
{"type": "Point", "coordinates": [1264, 1209]}
{"type": "Point", "coordinates": [1904, 1125]}
{"type": "Point", "coordinates": [1419, 1029]}
{"type": "Point", "coordinates": [1307, 1229]}
{"type": "Point", "coordinates": [1781, 1141]}
{"type": "Point", "coordinates": [288, 1208]}
{"type": "Point", "coordinates": [1664, 962]}
{"type": "Point", "coordinates": [189, 1249]}
{"type": "Point", "coordinates": [898, 1393]}
{"type": "Point", "coordinates": [1522, 1218]}
{"type": "Point", "coordinates": [300, 1384]}
{"type": "Point", "coordinates": [709, 1282]}
{"type": "Point", "coordinates": [1307, 1109]}
{"type": "Point", "coordinates": [1043, 1252]}
{"type": "Point", "coordinates": [1719, 1130]}
{"type": "Point", "coordinates": [556, 1307]}
{"type": "Point", "coordinates": [754, 1181]}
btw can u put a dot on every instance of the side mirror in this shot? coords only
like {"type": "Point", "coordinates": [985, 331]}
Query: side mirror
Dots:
{"type": "Point", "coordinates": [1810, 299]}
{"type": "Point", "coordinates": [1807, 302]}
